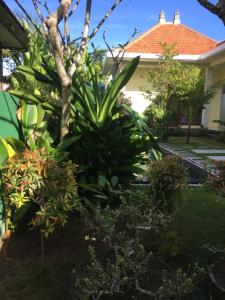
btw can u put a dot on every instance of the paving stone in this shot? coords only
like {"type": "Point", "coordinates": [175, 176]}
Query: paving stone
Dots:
{"type": "Point", "coordinates": [208, 151]}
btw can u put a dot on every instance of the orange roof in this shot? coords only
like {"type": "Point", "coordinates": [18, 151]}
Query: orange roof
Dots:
{"type": "Point", "coordinates": [185, 39]}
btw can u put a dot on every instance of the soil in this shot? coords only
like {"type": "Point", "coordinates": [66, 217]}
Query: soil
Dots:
{"type": "Point", "coordinates": [24, 276]}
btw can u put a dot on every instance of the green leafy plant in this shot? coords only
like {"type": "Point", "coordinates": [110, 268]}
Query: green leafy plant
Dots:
{"type": "Point", "coordinates": [179, 285]}
{"type": "Point", "coordinates": [33, 179]}
{"type": "Point", "coordinates": [166, 178]}
{"type": "Point", "coordinates": [115, 140]}
{"type": "Point", "coordinates": [159, 120]}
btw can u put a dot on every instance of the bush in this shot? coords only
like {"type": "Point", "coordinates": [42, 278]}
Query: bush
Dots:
{"type": "Point", "coordinates": [121, 262]}
{"type": "Point", "coordinates": [34, 179]}
{"type": "Point", "coordinates": [159, 119]}
{"type": "Point", "coordinates": [216, 181]}
{"type": "Point", "coordinates": [166, 178]}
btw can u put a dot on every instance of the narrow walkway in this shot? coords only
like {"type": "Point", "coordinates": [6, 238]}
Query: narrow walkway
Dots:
{"type": "Point", "coordinates": [198, 157]}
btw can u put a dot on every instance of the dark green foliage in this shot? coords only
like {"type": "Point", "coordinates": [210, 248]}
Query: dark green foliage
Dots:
{"type": "Point", "coordinates": [114, 141]}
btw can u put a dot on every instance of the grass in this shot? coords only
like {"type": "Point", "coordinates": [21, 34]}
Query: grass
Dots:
{"type": "Point", "coordinates": [202, 221]}
{"type": "Point", "coordinates": [195, 142]}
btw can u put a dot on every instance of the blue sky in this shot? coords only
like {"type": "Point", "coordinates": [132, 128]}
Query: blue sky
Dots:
{"type": "Point", "coordinates": [141, 14]}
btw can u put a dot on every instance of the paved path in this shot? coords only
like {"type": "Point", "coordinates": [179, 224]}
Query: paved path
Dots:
{"type": "Point", "coordinates": [198, 156]}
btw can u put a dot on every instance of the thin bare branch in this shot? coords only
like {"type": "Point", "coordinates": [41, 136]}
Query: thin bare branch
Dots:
{"type": "Point", "coordinates": [120, 54]}
{"type": "Point", "coordinates": [45, 5]}
{"type": "Point", "coordinates": [74, 8]}
{"type": "Point", "coordinates": [38, 11]}
{"type": "Point", "coordinates": [109, 12]}
{"type": "Point", "coordinates": [28, 16]}
{"type": "Point", "coordinates": [66, 31]}
{"type": "Point", "coordinates": [84, 39]}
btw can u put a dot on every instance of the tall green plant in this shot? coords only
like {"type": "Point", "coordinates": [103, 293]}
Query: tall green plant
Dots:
{"type": "Point", "coordinates": [114, 140]}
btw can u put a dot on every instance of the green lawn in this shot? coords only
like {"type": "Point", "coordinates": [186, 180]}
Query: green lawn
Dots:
{"type": "Point", "coordinates": [195, 142]}
{"type": "Point", "coordinates": [202, 220]}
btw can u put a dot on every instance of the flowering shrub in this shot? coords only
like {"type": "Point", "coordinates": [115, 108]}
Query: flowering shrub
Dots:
{"type": "Point", "coordinates": [34, 178]}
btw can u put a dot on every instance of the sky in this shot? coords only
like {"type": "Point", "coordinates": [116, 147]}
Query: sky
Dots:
{"type": "Point", "coordinates": [140, 14]}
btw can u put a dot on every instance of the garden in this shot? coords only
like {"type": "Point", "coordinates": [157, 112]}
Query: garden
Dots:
{"type": "Point", "coordinates": [81, 223]}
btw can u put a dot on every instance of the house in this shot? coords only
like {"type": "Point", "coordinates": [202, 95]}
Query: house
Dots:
{"type": "Point", "coordinates": [12, 36]}
{"type": "Point", "coordinates": [192, 47]}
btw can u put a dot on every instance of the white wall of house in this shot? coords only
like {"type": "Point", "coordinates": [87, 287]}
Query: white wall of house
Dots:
{"type": "Point", "coordinates": [137, 87]}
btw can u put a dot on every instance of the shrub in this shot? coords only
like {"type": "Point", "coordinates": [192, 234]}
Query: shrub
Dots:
{"type": "Point", "coordinates": [123, 264]}
{"type": "Point", "coordinates": [159, 119]}
{"type": "Point", "coordinates": [216, 181]}
{"type": "Point", "coordinates": [166, 177]}
{"type": "Point", "coordinates": [34, 179]}
{"type": "Point", "coordinates": [126, 258]}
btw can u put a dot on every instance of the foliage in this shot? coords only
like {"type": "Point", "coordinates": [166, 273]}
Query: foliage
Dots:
{"type": "Point", "coordinates": [8, 148]}
{"type": "Point", "coordinates": [34, 179]}
{"type": "Point", "coordinates": [216, 181]}
{"type": "Point", "coordinates": [114, 138]}
{"type": "Point", "coordinates": [122, 231]}
{"type": "Point", "coordinates": [195, 96]}
{"type": "Point", "coordinates": [24, 85]}
{"type": "Point", "coordinates": [171, 246]}
{"type": "Point", "coordinates": [166, 81]}
{"type": "Point", "coordinates": [123, 99]}
{"type": "Point", "coordinates": [179, 285]}
{"type": "Point", "coordinates": [109, 139]}
{"type": "Point", "coordinates": [159, 119]}
{"type": "Point", "coordinates": [173, 80]}
{"type": "Point", "coordinates": [166, 178]}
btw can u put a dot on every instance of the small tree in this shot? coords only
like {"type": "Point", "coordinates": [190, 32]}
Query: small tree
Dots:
{"type": "Point", "coordinates": [166, 80]}
{"type": "Point", "coordinates": [178, 81]}
{"type": "Point", "coordinates": [196, 96]}
{"type": "Point", "coordinates": [67, 57]}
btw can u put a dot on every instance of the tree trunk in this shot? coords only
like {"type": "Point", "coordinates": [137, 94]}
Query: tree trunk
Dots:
{"type": "Point", "coordinates": [65, 112]}
{"type": "Point", "coordinates": [189, 125]}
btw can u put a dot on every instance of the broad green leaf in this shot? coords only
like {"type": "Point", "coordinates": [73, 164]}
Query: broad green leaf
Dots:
{"type": "Point", "coordinates": [16, 144]}
{"type": "Point", "coordinates": [115, 87]}
{"type": "Point", "coordinates": [23, 96]}
{"type": "Point", "coordinates": [67, 143]}
{"type": "Point", "coordinates": [3, 151]}
{"type": "Point", "coordinates": [29, 119]}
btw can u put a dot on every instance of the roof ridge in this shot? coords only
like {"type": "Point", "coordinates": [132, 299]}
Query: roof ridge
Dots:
{"type": "Point", "coordinates": [202, 34]}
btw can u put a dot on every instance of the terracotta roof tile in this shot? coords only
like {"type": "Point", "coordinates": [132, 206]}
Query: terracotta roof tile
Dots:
{"type": "Point", "coordinates": [185, 39]}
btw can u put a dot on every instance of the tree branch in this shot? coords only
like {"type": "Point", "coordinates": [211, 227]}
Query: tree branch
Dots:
{"type": "Point", "coordinates": [218, 9]}
{"type": "Point", "coordinates": [119, 56]}
{"type": "Point", "coordinates": [40, 16]}
{"type": "Point", "coordinates": [28, 16]}
{"type": "Point", "coordinates": [74, 8]}
{"type": "Point", "coordinates": [96, 29]}
{"type": "Point", "coordinates": [84, 39]}
{"type": "Point", "coordinates": [143, 291]}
